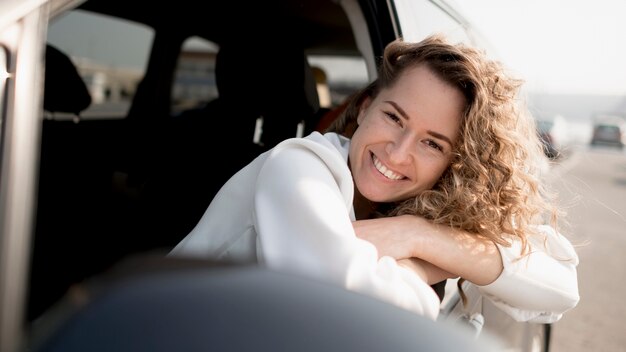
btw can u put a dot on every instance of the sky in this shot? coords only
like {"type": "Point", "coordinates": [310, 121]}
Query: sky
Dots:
{"type": "Point", "coordinates": [557, 46]}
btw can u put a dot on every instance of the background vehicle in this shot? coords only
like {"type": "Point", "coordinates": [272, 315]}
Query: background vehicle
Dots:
{"type": "Point", "coordinates": [107, 156]}
{"type": "Point", "coordinates": [609, 131]}
{"type": "Point", "coordinates": [553, 132]}
{"type": "Point", "coordinates": [549, 144]}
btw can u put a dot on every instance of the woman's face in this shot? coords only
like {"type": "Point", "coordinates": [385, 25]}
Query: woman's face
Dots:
{"type": "Point", "coordinates": [405, 136]}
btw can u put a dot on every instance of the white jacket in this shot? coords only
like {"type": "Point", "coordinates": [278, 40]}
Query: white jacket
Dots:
{"type": "Point", "coordinates": [291, 209]}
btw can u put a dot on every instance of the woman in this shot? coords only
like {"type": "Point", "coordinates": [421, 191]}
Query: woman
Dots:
{"type": "Point", "coordinates": [437, 142]}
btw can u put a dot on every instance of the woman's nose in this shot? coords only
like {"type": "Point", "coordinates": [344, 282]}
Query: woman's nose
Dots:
{"type": "Point", "coordinates": [401, 149]}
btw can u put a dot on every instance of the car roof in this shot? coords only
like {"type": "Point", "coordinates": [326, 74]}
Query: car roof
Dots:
{"type": "Point", "coordinates": [324, 30]}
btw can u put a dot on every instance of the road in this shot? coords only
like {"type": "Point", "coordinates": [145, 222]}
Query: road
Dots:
{"type": "Point", "coordinates": [592, 187]}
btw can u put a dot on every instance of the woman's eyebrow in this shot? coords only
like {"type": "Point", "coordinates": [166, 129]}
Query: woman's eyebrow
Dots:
{"type": "Point", "coordinates": [406, 117]}
{"type": "Point", "coordinates": [397, 107]}
{"type": "Point", "coordinates": [439, 136]}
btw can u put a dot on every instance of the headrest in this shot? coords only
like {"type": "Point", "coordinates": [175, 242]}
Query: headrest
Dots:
{"type": "Point", "coordinates": [266, 77]}
{"type": "Point", "coordinates": [64, 88]}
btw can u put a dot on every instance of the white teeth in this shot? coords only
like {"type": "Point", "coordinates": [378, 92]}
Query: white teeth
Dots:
{"type": "Point", "coordinates": [383, 170]}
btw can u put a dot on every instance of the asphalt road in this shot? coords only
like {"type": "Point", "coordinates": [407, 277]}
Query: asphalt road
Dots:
{"type": "Point", "coordinates": [592, 188]}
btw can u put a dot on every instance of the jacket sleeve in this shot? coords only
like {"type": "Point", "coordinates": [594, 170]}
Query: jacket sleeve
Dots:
{"type": "Point", "coordinates": [540, 286]}
{"type": "Point", "coordinates": [303, 205]}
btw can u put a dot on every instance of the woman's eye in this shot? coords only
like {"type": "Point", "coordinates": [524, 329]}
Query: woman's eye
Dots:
{"type": "Point", "coordinates": [434, 145]}
{"type": "Point", "coordinates": [393, 117]}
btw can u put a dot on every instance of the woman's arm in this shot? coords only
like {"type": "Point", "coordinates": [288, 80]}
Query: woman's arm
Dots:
{"type": "Point", "coordinates": [429, 272]}
{"type": "Point", "coordinates": [538, 287]}
{"type": "Point", "coordinates": [477, 260]}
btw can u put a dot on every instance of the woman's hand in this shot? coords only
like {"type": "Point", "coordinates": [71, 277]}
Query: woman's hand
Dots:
{"type": "Point", "coordinates": [407, 236]}
{"type": "Point", "coordinates": [397, 237]}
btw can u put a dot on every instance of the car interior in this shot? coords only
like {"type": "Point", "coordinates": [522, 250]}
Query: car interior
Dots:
{"type": "Point", "coordinates": [113, 186]}
{"type": "Point", "coordinates": [146, 109]}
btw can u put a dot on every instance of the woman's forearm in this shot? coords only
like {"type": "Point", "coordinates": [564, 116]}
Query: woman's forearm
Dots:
{"type": "Point", "coordinates": [539, 288]}
{"type": "Point", "coordinates": [473, 258]}
{"type": "Point", "coordinates": [429, 272]}
{"type": "Point", "coordinates": [477, 260]}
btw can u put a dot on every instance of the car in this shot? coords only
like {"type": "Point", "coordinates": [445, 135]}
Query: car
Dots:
{"type": "Point", "coordinates": [609, 131]}
{"type": "Point", "coordinates": [544, 128]}
{"type": "Point", "coordinates": [554, 133]}
{"type": "Point", "coordinates": [112, 128]}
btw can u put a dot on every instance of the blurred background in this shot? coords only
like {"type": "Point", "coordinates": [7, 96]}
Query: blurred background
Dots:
{"type": "Point", "coordinates": [572, 55]}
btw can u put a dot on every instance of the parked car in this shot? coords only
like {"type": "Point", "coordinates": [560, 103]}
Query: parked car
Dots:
{"type": "Point", "coordinates": [547, 138]}
{"type": "Point", "coordinates": [111, 147]}
{"type": "Point", "coordinates": [554, 132]}
{"type": "Point", "coordinates": [609, 131]}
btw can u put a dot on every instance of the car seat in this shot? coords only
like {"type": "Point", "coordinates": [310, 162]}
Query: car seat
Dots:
{"type": "Point", "coordinates": [256, 81]}
{"type": "Point", "coordinates": [272, 82]}
{"type": "Point", "coordinates": [64, 88]}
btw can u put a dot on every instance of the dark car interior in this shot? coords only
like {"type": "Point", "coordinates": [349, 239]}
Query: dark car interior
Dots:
{"type": "Point", "coordinates": [110, 188]}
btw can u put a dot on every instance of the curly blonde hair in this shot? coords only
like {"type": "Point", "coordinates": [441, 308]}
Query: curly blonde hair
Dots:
{"type": "Point", "coordinates": [492, 186]}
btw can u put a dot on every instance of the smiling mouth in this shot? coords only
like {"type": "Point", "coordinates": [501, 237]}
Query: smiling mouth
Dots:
{"type": "Point", "coordinates": [384, 170]}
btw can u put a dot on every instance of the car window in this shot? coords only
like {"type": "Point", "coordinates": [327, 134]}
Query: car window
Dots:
{"type": "Point", "coordinates": [194, 82]}
{"type": "Point", "coordinates": [420, 18]}
{"type": "Point", "coordinates": [341, 75]}
{"type": "Point", "coordinates": [111, 55]}
{"type": "Point", "coordinates": [608, 128]}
